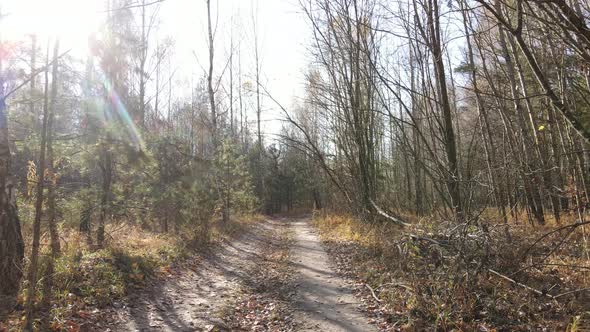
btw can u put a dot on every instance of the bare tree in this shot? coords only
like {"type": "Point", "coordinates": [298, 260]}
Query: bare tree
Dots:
{"type": "Point", "coordinates": [32, 273]}
{"type": "Point", "coordinates": [11, 240]}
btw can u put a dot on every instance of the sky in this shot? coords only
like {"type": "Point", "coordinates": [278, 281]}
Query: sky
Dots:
{"type": "Point", "coordinates": [282, 29]}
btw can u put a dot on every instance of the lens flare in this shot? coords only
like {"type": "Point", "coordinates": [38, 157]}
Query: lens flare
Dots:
{"type": "Point", "coordinates": [115, 113]}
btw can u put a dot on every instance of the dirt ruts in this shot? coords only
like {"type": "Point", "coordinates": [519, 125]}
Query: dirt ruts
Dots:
{"type": "Point", "coordinates": [194, 299]}
{"type": "Point", "coordinates": [216, 292]}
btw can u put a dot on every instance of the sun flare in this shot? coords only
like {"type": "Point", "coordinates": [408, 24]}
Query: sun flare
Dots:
{"type": "Point", "coordinates": [69, 20]}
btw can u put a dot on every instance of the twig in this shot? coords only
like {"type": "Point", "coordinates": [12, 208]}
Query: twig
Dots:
{"type": "Point", "coordinates": [536, 291]}
{"type": "Point", "coordinates": [396, 285]}
{"type": "Point", "coordinates": [27, 80]}
{"type": "Point", "coordinates": [567, 266]}
{"type": "Point", "coordinates": [574, 225]}
{"type": "Point", "coordinates": [571, 227]}
{"type": "Point", "coordinates": [571, 292]}
{"type": "Point", "coordinates": [427, 239]}
{"type": "Point", "coordinates": [373, 293]}
{"type": "Point", "coordinates": [134, 6]}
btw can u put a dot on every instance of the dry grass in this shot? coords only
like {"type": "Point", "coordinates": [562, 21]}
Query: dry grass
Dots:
{"type": "Point", "coordinates": [225, 231]}
{"type": "Point", "coordinates": [88, 280]}
{"type": "Point", "coordinates": [440, 276]}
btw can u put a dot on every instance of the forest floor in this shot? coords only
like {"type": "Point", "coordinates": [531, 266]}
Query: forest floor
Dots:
{"type": "Point", "coordinates": [329, 273]}
{"type": "Point", "coordinates": [274, 277]}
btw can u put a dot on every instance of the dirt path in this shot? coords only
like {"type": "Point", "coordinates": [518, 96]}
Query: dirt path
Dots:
{"type": "Point", "coordinates": [275, 277]}
{"type": "Point", "coordinates": [323, 300]}
{"type": "Point", "coordinates": [194, 299]}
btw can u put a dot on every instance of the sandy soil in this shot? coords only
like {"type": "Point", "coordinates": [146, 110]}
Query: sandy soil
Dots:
{"type": "Point", "coordinates": [207, 296]}
{"type": "Point", "coordinates": [324, 301]}
{"type": "Point", "coordinates": [194, 299]}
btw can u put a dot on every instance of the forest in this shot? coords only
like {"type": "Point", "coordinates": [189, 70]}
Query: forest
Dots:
{"type": "Point", "coordinates": [430, 170]}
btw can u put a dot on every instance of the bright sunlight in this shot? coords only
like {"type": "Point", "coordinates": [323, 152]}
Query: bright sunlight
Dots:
{"type": "Point", "coordinates": [72, 21]}
{"type": "Point", "coordinates": [294, 165]}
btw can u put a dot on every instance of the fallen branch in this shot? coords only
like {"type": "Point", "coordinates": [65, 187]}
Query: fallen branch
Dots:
{"type": "Point", "coordinates": [382, 213]}
{"type": "Point", "coordinates": [373, 293]}
{"type": "Point", "coordinates": [534, 290]}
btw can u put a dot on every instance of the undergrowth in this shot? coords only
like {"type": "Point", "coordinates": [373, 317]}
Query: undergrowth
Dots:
{"type": "Point", "coordinates": [465, 277]}
{"type": "Point", "coordinates": [87, 280]}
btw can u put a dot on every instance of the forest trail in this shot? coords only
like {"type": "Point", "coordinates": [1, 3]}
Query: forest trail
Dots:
{"type": "Point", "coordinates": [194, 299]}
{"type": "Point", "coordinates": [197, 299]}
{"type": "Point", "coordinates": [324, 301]}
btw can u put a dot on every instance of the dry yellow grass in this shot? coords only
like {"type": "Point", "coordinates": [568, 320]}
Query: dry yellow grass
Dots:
{"type": "Point", "coordinates": [452, 293]}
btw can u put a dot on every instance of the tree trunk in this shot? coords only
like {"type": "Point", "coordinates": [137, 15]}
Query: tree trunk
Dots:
{"type": "Point", "coordinates": [107, 170]}
{"type": "Point", "coordinates": [210, 90]}
{"type": "Point", "coordinates": [32, 273]}
{"type": "Point", "coordinates": [142, 62]}
{"type": "Point", "coordinates": [52, 183]}
{"type": "Point", "coordinates": [486, 132]}
{"type": "Point", "coordinates": [453, 179]}
{"type": "Point", "coordinates": [11, 240]}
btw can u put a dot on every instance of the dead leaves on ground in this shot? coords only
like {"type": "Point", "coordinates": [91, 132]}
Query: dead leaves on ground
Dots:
{"type": "Point", "coordinates": [436, 298]}
{"type": "Point", "coordinates": [261, 313]}
{"type": "Point", "coordinates": [265, 306]}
